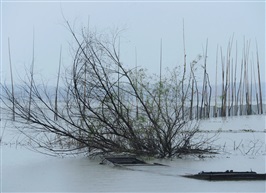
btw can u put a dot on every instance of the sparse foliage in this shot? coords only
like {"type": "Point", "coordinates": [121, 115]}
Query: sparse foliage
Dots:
{"type": "Point", "coordinates": [106, 108]}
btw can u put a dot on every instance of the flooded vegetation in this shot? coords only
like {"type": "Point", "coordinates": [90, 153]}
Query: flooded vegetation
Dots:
{"type": "Point", "coordinates": [133, 110]}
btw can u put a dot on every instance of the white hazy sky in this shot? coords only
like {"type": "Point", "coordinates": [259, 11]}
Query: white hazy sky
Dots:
{"type": "Point", "coordinates": [145, 24]}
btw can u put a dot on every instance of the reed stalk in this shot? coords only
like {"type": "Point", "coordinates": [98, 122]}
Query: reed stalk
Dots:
{"type": "Point", "coordinates": [31, 78]}
{"type": "Point", "coordinates": [12, 83]}
{"type": "Point", "coordinates": [57, 87]}
{"type": "Point", "coordinates": [216, 75]}
{"type": "Point", "coordinates": [258, 68]}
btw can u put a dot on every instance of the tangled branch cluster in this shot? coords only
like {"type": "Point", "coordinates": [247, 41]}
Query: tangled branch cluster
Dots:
{"type": "Point", "coordinates": [106, 108]}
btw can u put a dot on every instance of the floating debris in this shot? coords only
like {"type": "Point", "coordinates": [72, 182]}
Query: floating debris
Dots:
{"type": "Point", "coordinates": [126, 161]}
{"type": "Point", "coordinates": [227, 175]}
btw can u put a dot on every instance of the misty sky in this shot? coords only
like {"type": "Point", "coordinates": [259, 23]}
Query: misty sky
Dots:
{"type": "Point", "coordinates": [144, 24]}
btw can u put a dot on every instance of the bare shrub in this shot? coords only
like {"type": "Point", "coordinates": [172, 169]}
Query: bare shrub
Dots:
{"type": "Point", "coordinates": [106, 108]}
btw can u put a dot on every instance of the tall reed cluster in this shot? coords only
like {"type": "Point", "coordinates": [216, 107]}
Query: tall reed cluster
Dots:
{"type": "Point", "coordinates": [241, 89]}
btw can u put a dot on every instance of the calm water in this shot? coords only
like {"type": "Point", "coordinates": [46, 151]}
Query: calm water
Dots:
{"type": "Point", "coordinates": [25, 171]}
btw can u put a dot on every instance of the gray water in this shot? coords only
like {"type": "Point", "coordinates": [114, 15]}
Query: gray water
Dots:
{"type": "Point", "coordinates": [26, 171]}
